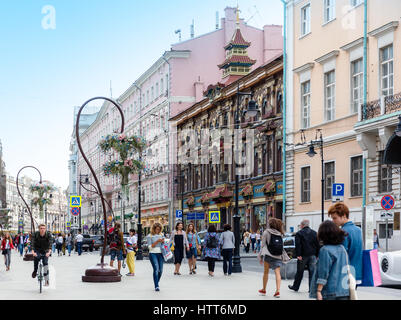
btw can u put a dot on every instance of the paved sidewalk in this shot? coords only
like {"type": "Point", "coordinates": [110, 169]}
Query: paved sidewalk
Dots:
{"type": "Point", "coordinates": [66, 283]}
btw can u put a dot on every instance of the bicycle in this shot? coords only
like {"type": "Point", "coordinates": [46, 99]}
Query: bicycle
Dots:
{"type": "Point", "coordinates": [40, 271]}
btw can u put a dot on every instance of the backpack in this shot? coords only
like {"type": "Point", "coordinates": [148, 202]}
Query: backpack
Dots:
{"type": "Point", "coordinates": [212, 242]}
{"type": "Point", "coordinates": [114, 239]}
{"type": "Point", "coordinates": [275, 246]}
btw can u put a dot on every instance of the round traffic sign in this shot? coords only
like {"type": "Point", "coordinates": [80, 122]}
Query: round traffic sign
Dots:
{"type": "Point", "coordinates": [387, 202]}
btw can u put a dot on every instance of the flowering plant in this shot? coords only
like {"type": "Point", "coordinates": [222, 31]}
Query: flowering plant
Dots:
{"type": "Point", "coordinates": [125, 147]}
{"type": "Point", "coordinates": [41, 200]}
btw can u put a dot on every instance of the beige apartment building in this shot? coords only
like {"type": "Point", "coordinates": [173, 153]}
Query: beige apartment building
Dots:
{"type": "Point", "coordinates": [325, 90]}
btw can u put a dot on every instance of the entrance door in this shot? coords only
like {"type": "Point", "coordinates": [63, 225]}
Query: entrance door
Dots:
{"type": "Point", "coordinates": [279, 210]}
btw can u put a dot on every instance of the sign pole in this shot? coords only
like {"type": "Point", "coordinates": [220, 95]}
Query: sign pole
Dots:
{"type": "Point", "coordinates": [386, 234]}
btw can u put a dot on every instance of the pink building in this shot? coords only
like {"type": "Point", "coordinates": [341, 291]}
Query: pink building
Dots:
{"type": "Point", "coordinates": [172, 84]}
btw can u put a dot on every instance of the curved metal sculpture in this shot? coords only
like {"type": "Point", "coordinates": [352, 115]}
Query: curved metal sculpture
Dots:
{"type": "Point", "coordinates": [101, 272]}
{"type": "Point", "coordinates": [28, 256]}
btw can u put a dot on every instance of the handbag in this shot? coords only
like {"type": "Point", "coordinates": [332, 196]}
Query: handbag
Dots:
{"type": "Point", "coordinates": [352, 282]}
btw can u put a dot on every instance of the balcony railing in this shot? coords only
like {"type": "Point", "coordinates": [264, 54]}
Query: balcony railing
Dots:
{"type": "Point", "coordinates": [385, 105]}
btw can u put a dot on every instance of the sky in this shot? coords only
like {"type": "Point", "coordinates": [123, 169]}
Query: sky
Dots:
{"type": "Point", "coordinates": [56, 54]}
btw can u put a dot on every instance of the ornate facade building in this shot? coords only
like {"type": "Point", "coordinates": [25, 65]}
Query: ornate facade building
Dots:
{"type": "Point", "coordinates": [206, 185]}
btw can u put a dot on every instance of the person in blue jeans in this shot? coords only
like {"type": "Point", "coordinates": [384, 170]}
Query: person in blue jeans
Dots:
{"type": "Point", "coordinates": [154, 240]}
{"type": "Point", "coordinates": [330, 279]}
{"type": "Point", "coordinates": [353, 242]}
{"type": "Point", "coordinates": [79, 238]}
{"type": "Point", "coordinates": [69, 243]}
{"type": "Point", "coordinates": [21, 239]}
{"type": "Point", "coordinates": [227, 242]}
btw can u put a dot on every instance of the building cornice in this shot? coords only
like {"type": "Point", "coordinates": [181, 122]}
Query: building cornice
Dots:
{"type": "Point", "coordinates": [328, 56]}
{"type": "Point", "coordinates": [389, 27]}
{"type": "Point", "coordinates": [304, 67]}
{"type": "Point", "coordinates": [352, 45]}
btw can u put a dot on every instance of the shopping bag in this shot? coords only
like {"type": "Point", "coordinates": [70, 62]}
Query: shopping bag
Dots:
{"type": "Point", "coordinates": [167, 254]}
{"type": "Point", "coordinates": [370, 269]}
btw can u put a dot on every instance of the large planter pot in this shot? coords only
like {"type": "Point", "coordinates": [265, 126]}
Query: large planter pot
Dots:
{"type": "Point", "coordinates": [289, 269]}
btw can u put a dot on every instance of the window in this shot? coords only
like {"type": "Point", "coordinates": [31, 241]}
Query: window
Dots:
{"type": "Point", "coordinates": [305, 104]}
{"type": "Point", "coordinates": [161, 86]}
{"type": "Point", "coordinates": [305, 20]}
{"type": "Point", "coordinates": [329, 95]}
{"type": "Point", "coordinates": [157, 89]}
{"type": "Point", "coordinates": [305, 184]}
{"type": "Point", "coordinates": [385, 175]}
{"type": "Point", "coordinates": [382, 230]}
{"type": "Point", "coordinates": [147, 97]}
{"type": "Point", "coordinates": [153, 93]}
{"type": "Point", "coordinates": [386, 70]}
{"type": "Point", "coordinates": [356, 176]}
{"type": "Point", "coordinates": [355, 3]}
{"type": "Point", "coordinates": [356, 84]}
{"type": "Point", "coordinates": [329, 179]}
{"type": "Point", "coordinates": [329, 10]}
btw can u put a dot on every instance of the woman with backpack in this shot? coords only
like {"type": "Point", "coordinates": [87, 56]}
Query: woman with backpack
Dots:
{"type": "Point", "coordinates": [180, 242]}
{"type": "Point", "coordinates": [70, 243]}
{"type": "Point", "coordinates": [211, 248]}
{"type": "Point", "coordinates": [272, 253]}
{"type": "Point", "coordinates": [59, 244]}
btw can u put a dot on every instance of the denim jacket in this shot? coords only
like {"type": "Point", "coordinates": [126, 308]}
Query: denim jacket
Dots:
{"type": "Point", "coordinates": [354, 245]}
{"type": "Point", "coordinates": [331, 271]}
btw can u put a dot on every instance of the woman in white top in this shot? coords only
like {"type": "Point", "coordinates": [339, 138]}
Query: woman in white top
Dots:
{"type": "Point", "coordinates": [59, 244]}
{"type": "Point", "coordinates": [131, 247]}
{"type": "Point", "coordinates": [155, 239]}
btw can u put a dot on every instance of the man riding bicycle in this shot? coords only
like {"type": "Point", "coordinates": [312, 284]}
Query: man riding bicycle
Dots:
{"type": "Point", "coordinates": [42, 246]}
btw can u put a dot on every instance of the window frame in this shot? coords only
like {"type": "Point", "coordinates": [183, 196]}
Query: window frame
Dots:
{"type": "Point", "coordinates": [326, 185]}
{"type": "Point", "coordinates": [389, 168]}
{"type": "Point", "coordinates": [303, 95]}
{"type": "Point", "coordinates": [307, 29]}
{"type": "Point", "coordinates": [332, 7]}
{"type": "Point", "coordinates": [389, 75]}
{"type": "Point", "coordinates": [332, 98]}
{"type": "Point", "coordinates": [361, 87]}
{"type": "Point", "coordinates": [352, 176]}
{"type": "Point", "coordinates": [303, 200]}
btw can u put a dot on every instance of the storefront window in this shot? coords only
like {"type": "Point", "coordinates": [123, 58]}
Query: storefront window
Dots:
{"type": "Point", "coordinates": [259, 213]}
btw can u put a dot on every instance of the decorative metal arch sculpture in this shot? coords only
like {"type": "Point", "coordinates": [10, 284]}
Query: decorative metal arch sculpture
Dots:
{"type": "Point", "coordinates": [101, 272]}
{"type": "Point", "coordinates": [28, 256]}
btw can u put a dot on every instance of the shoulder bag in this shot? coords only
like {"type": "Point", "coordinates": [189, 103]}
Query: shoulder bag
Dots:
{"type": "Point", "coordinates": [352, 282]}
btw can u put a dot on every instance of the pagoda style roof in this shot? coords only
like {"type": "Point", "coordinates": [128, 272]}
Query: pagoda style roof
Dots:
{"type": "Point", "coordinates": [236, 59]}
{"type": "Point", "coordinates": [237, 40]}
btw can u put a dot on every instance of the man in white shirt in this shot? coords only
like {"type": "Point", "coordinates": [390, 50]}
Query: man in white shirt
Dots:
{"type": "Point", "coordinates": [78, 239]}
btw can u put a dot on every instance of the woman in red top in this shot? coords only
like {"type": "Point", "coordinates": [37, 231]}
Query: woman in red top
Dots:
{"type": "Point", "coordinates": [6, 246]}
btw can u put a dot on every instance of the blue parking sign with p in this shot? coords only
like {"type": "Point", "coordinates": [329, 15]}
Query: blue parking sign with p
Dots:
{"type": "Point", "coordinates": [337, 192]}
{"type": "Point", "coordinates": [178, 214]}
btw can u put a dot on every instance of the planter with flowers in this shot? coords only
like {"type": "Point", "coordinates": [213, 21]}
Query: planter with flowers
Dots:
{"type": "Point", "coordinates": [41, 189]}
{"type": "Point", "coordinates": [126, 148]}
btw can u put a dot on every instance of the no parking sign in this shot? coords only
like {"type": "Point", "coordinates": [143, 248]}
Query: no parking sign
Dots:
{"type": "Point", "coordinates": [387, 202]}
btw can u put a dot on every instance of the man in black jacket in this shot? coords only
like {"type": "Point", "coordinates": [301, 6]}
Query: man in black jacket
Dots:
{"type": "Point", "coordinates": [306, 249]}
{"type": "Point", "coordinates": [42, 247]}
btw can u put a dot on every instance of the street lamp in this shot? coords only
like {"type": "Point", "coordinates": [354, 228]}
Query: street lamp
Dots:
{"type": "Point", "coordinates": [251, 111]}
{"type": "Point", "coordinates": [311, 153]}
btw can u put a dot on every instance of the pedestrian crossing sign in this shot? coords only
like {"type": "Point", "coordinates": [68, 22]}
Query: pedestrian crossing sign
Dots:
{"type": "Point", "coordinates": [75, 201]}
{"type": "Point", "coordinates": [214, 216]}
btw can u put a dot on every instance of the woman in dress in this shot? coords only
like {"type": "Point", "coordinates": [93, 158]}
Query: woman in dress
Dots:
{"type": "Point", "coordinates": [179, 240]}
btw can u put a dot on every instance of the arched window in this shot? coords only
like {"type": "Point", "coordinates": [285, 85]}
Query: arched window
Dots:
{"type": "Point", "coordinates": [279, 105]}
